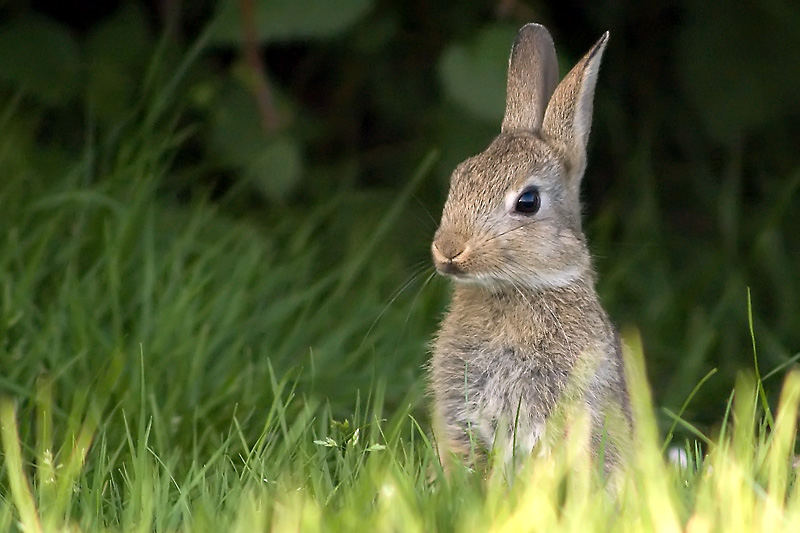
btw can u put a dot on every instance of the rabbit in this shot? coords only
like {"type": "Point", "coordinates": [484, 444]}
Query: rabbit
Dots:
{"type": "Point", "coordinates": [525, 328]}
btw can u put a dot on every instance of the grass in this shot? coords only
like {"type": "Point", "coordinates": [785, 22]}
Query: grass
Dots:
{"type": "Point", "coordinates": [168, 368]}
{"type": "Point", "coordinates": [90, 470]}
{"type": "Point", "coordinates": [167, 365]}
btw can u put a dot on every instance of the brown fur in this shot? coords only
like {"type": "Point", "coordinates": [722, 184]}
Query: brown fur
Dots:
{"type": "Point", "coordinates": [525, 330]}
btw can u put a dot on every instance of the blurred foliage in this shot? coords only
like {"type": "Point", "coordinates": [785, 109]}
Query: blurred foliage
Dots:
{"type": "Point", "coordinates": [484, 58]}
{"type": "Point", "coordinates": [48, 66]}
{"type": "Point", "coordinates": [282, 20]}
{"type": "Point", "coordinates": [744, 78]}
{"type": "Point", "coordinates": [693, 174]}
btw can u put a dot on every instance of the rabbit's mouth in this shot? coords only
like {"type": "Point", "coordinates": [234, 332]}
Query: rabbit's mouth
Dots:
{"type": "Point", "coordinates": [449, 261]}
{"type": "Point", "coordinates": [464, 265]}
{"type": "Point", "coordinates": [451, 269]}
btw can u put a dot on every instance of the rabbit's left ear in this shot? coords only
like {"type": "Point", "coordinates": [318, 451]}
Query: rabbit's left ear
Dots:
{"type": "Point", "coordinates": [532, 77]}
{"type": "Point", "coordinates": [568, 117]}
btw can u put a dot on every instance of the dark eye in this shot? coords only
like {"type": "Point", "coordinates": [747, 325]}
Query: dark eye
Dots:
{"type": "Point", "coordinates": [528, 202]}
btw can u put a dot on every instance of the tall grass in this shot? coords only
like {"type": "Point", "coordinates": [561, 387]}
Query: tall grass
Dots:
{"type": "Point", "coordinates": [157, 353]}
{"type": "Point", "coordinates": [309, 471]}
{"type": "Point", "coordinates": [167, 368]}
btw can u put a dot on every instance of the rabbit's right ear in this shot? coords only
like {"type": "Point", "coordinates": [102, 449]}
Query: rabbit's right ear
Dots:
{"type": "Point", "coordinates": [568, 118]}
{"type": "Point", "coordinates": [532, 78]}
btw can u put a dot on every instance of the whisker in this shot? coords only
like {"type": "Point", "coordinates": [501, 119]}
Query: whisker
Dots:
{"type": "Point", "coordinates": [515, 228]}
{"type": "Point", "coordinates": [393, 298]}
{"type": "Point", "coordinates": [416, 296]}
{"type": "Point", "coordinates": [427, 211]}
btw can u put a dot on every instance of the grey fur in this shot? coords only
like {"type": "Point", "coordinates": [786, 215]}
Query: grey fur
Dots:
{"type": "Point", "coordinates": [525, 331]}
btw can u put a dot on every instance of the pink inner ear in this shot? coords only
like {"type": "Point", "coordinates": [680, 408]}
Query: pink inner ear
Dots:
{"type": "Point", "coordinates": [568, 117]}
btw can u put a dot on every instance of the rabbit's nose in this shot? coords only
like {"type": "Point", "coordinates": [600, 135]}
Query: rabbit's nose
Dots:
{"type": "Point", "coordinates": [446, 252]}
{"type": "Point", "coordinates": [447, 249]}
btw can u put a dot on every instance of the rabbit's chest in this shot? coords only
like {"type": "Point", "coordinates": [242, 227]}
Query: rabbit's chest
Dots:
{"type": "Point", "coordinates": [504, 379]}
{"type": "Point", "coordinates": [505, 391]}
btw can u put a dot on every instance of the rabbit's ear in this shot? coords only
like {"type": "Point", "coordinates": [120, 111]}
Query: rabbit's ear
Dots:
{"type": "Point", "coordinates": [532, 77]}
{"type": "Point", "coordinates": [568, 118]}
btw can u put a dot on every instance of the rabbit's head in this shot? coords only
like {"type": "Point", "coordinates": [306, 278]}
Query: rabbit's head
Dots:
{"type": "Point", "coordinates": [512, 215]}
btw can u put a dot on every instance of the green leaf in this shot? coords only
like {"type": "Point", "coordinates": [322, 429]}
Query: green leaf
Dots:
{"type": "Point", "coordinates": [41, 57]}
{"type": "Point", "coordinates": [236, 132]}
{"type": "Point", "coordinates": [128, 26]}
{"type": "Point", "coordinates": [271, 164]}
{"type": "Point", "coordinates": [473, 74]}
{"type": "Point", "coordinates": [276, 169]}
{"type": "Point", "coordinates": [284, 20]}
{"type": "Point", "coordinates": [115, 71]}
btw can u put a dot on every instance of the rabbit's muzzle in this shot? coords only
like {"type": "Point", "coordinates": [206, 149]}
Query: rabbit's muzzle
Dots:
{"type": "Point", "coordinates": [448, 255]}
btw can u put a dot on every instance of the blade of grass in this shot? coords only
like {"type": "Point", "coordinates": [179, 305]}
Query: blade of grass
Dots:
{"type": "Point", "coordinates": [20, 488]}
{"type": "Point", "coordinates": [686, 403]}
{"type": "Point", "coordinates": [759, 382]}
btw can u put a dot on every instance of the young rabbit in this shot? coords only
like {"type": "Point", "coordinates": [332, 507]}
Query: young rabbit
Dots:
{"type": "Point", "coordinates": [525, 329]}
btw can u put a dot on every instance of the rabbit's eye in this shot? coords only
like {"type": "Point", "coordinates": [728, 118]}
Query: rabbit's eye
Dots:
{"type": "Point", "coordinates": [528, 202]}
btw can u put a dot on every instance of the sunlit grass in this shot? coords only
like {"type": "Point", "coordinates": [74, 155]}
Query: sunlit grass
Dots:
{"type": "Point", "coordinates": [309, 471]}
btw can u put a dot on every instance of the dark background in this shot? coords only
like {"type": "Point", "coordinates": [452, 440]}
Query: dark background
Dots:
{"type": "Point", "coordinates": [691, 195]}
